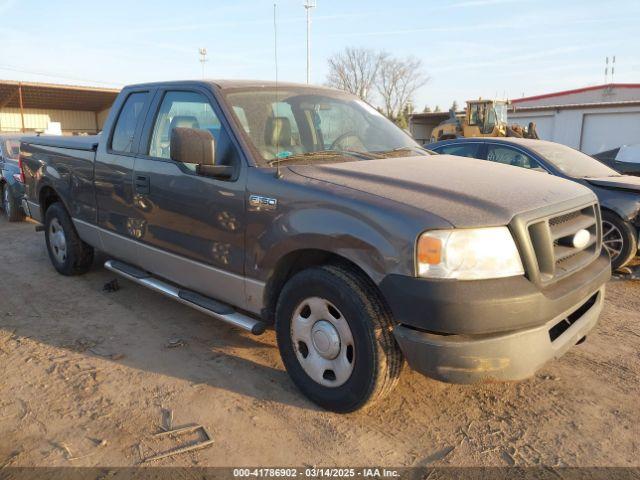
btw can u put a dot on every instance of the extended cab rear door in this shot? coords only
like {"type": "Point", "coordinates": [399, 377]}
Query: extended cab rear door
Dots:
{"type": "Point", "coordinates": [191, 227]}
{"type": "Point", "coordinates": [113, 178]}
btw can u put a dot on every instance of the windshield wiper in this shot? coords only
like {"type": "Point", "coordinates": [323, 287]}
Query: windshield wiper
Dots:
{"type": "Point", "coordinates": [410, 148]}
{"type": "Point", "coordinates": [321, 153]}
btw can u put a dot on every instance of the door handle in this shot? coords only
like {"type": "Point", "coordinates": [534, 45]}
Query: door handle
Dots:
{"type": "Point", "coordinates": [142, 184]}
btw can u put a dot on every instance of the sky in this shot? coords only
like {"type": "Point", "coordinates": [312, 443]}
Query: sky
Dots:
{"type": "Point", "coordinates": [469, 48]}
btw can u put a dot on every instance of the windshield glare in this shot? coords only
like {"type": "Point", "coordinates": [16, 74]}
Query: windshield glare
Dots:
{"type": "Point", "coordinates": [501, 112]}
{"type": "Point", "coordinates": [306, 125]}
{"type": "Point", "coordinates": [573, 162]}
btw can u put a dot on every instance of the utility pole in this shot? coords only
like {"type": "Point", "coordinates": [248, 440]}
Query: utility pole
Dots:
{"type": "Point", "coordinates": [203, 58]}
{"type": "Point", "coordinates": [308, 5]}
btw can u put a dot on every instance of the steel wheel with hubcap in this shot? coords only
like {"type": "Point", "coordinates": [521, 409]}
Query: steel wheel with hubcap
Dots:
{"type": "Point", "coordinates": [68, 253]}
{"type": "Point", "coordinates": [619, 239]}
{"type": "Point", "coordinates": [57, 240]}
{"type": "Point", "coordinates": [335, 336]}
{"type": "Point", "coordinates": [323, 342]}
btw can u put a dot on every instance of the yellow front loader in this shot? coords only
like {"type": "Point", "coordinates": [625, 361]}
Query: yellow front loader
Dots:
{"type": "Point", "coordinates": [483, 118]}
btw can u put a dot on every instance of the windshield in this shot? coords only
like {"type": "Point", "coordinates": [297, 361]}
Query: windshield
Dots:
{"type": "Point", "coordinates": [501, 112]}
{"type": "Point", "coordinates": [308, 125]}
{"type": "Point", "coordinates": [572, 162]}
{"type": "Point", "coordinates": [11, 149]}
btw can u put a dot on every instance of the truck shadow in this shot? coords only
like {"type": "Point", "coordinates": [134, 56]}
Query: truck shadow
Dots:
{"type": "Point", "coordinates": [139, 329]}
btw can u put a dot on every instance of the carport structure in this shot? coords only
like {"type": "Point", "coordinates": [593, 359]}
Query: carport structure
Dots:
{"type": "Point", "coordinates": [30, 107]}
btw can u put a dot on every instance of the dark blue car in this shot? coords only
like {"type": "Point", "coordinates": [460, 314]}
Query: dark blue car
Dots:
{"type": "Point", "coordinates": [619, 195]}
{"type": "Point", "coordinates": [11, 185]}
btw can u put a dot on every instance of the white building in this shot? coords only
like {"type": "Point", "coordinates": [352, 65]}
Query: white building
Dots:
{"type": "Point", "coordinates": [591, 119]}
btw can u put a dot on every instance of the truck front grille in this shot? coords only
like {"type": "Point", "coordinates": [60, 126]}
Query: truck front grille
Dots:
{"type": "Point", "coordinates": [553, 242]}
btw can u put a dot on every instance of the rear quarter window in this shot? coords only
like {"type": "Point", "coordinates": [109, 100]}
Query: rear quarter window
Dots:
{"type": "Point", "coordinates": [125, 128]}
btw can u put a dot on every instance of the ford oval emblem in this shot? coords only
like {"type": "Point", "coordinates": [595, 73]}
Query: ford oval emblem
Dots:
{"type": "Point", "coordinates": [581, 238]}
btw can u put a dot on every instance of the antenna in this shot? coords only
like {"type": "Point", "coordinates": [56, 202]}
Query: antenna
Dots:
{"type": "Point", "coordinates": [275, 56]}
{"type": "Point", "coordinates": [308, 5]}
{"type": "Point", "coordinates": [613, 68]}
{"type": "Point", "coordinates": [203, 58]}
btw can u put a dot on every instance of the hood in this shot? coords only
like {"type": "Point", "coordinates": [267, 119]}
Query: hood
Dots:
{"type": "Point", "coordinates": [464, 191]}
{"type": "Point", "coordinates": [623, 182]}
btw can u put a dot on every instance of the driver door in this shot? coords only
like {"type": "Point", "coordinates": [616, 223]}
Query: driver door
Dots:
{"type": "Point", "coordinates": [191, 227]}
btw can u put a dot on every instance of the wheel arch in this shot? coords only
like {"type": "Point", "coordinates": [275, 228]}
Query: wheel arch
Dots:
{"type": "Point", "coordinates": [47, 196]}
{"type": "Point", "coordinates": [296, 261]}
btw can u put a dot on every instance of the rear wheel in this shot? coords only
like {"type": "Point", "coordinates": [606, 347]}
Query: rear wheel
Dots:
{"type": "Point", "coordinates": [10, 205]}
{"type": "Point", "coordinates": [335, 338]}
{"type": "Point", "coordinates": [68, 253]}
{"type": "Point", "coordinates": [618, 239]}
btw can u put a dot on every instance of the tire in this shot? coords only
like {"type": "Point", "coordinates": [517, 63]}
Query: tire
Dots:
{"type": "Point", "coordinates": [68, 253]}
{"type": "Point", "coordinates": [368, 363]}
{"type": "Point", "coordinates": [618, 239]}
{"type": "Point", "coordinates": [11, 207]}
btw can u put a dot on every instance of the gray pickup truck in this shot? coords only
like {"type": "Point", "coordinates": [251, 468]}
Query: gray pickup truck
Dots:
{"type": "Point", "coordinates": [304, 208]}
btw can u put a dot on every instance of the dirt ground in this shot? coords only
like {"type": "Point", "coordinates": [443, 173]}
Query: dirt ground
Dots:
{"type": "Point", "coordinates": [85, 375]}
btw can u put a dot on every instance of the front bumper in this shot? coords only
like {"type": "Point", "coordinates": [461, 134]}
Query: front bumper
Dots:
{"type": "Point", "coordinates": [506, 356]}
{"type": "Point", "coordinates": [478, 307]}
{"type": "Point", "coordinates": [503, 329]}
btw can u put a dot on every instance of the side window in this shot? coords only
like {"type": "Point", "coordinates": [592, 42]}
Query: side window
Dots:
{"type": "Point", "coordinates": [471, 150]}
{"type": "Point", "coordinates": [510, 156]}
{"type": "Point", "coordinates": [125, 129]}
{"type": "Point", "coordinates": [189, 110]}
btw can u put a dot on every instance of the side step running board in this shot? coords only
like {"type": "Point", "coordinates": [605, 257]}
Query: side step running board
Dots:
{"type": "Point", "coordinates": [201, 303]}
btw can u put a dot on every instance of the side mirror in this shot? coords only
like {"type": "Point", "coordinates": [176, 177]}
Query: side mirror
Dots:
{"type": "Point", "coordinates": [191, 145]}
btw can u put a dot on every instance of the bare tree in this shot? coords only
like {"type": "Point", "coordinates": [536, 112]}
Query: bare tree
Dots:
{"type": "Point", "coordinates": [398, 80]}
{"type": "Point", "coordinates": [355, 70]}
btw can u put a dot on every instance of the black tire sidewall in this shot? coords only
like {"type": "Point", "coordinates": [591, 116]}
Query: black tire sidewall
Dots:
{"type": "Point", "coordinates": [629, 245]}
{"type": "Point", "coordinates": [5, 189]}
{"type": "Point", "coordinates": [321, 283]}
{"type": "Point", "coordinates": [15, 213]}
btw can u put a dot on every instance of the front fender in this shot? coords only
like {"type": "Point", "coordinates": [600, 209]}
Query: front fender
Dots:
{"type": "Point", "coordinates": [624, 204]}
{"type": "Point", "coordinates": [376, 234]}
{"type": "Point", "coordinates": [367, 245]}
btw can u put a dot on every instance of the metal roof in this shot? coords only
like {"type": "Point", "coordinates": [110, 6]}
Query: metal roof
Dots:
{"type": "Point", "coordinates": [576, 90]}
{"type": "Point", "coordinates": [570, 106]}
{"type": "Point", "coordinates": [54, 96]}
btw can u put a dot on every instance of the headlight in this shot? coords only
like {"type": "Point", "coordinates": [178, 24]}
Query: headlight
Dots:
{"type": "Point", "coordinates": [468, 254]}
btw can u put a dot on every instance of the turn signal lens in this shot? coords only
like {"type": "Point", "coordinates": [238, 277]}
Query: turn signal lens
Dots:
{"type": "Point", "coordinates": [429, 250]}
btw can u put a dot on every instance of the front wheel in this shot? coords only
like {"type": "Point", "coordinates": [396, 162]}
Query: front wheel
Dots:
{"type": "Point", "coordinates": [618, 239]}
{"type": "Point", "coordinates": [68, 253]}
{"type": "Point", "coordinates": [335, 338]}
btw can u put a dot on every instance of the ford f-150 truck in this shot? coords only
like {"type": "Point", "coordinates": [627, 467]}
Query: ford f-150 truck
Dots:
{"type": "Point", "coordinates": [304, 208]}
